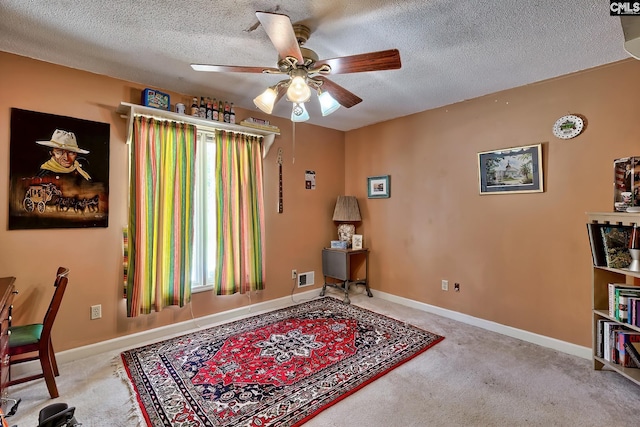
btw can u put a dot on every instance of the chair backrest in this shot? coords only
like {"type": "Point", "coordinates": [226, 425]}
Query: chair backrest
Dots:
{"type": "Point", "coordinates": [60, 285]}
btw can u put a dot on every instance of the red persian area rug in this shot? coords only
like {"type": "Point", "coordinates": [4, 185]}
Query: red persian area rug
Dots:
{"type": "Point", "coordinates": [275, 369]}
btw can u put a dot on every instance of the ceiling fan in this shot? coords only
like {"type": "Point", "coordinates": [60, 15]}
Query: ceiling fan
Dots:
{"type": "Point", "coordinates": [305, 71]}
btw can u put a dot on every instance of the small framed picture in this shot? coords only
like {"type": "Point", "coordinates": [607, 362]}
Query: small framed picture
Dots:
{"type": "Point", "coordinates": [378, 187]}
{"type": "Point", "coordinates": [356, 241]}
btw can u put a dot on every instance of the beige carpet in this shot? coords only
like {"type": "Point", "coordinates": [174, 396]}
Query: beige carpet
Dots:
{"type": "Point", "coordinates": [472, 378]}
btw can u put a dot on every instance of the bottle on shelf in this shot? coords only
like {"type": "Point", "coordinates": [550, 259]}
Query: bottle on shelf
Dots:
{"type": "Point", "coordinates": [195, 110]}
{"type": "Point", "coordinates": [232, 114]}
{"type": "Point", "coordinates": [214, 113]}
{"type": "Point", "coordinates": [203, 108]}
{"type": "Point", "coordinates": [220, 111]}
{"type": "Point", "coordinates": [227, 112]}
{"type": "Point", "coordinates": [209, 109]}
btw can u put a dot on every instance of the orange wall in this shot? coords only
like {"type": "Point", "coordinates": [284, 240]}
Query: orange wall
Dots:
{"type": "Point", "coordinates": [294, 238]}
{"type": "Point", "coordinates": [522, 260]}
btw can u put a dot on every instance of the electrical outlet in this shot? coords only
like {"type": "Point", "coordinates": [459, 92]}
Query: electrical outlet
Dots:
{"type": "Point", "coordinates": [96, 311]}
{"type": "Point", "coordinates": [294, 274]}
{"type": "Point", "coordinates": [445, 285]}
{"type": "Point", "coordinates": [456, 287]}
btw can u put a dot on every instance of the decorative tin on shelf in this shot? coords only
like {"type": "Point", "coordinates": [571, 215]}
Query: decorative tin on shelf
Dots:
{"type": "Point", "coordinates": [338, 244]}
{"type": "Point", "coordinates": [156, 99]}
{"type": "Point", "coordinates": [626, 183]}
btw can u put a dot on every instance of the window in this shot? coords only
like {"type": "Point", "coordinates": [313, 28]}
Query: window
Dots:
{"type": "Point", "coordinates": [228, 169]}
{"type": "Point", "coordinates": [204, 230]}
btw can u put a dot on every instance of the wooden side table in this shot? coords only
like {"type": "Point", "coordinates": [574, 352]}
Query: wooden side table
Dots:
{"type": "Point", "coordinates": [336, 263]}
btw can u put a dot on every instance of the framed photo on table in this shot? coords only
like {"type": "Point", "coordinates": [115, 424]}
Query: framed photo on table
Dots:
{"type": "Point", "coordinates": [356, 242]}
{"type": "Point", "coordinates": [378, 187]}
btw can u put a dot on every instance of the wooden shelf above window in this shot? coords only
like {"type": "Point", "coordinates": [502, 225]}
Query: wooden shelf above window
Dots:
{"type": "Point", "coordinates": [128, 110]}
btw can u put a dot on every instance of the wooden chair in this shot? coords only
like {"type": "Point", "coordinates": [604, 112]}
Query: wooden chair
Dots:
{"type": "Point", "coordinates": [33, 342]}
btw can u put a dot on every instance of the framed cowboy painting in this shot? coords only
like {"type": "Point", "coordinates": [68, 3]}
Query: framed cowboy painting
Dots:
{"type": "Point", "coordinates": [58, 171]}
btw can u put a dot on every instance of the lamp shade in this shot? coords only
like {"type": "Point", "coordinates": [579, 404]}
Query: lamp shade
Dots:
{"type": "Point", "coordinates": [298, 91]}
{"type": "Point", "coordinates": [327, 103]}
{"type": "Point", "coordinates": [347, 209]}
{"type": "Point", "coordinates": [634, 240]}
{"type": "Point", "coordinates": [299, 113]}
{"type": "Point", "coordinates": [266, 100]}
{"type": "Point", "coordinates": [634, 248]}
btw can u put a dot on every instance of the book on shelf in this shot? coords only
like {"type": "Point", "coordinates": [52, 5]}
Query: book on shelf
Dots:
{"type": "Point", "coordinates": [614, 293]}
{"type": "Point", "coordinates": [634, 355]}
{"type": "Point", "coordinates": [599, 351]}
{"type": "Point", "coordinates": [622, 304]}
{"type": "Point", "coordinates": [257, 121]}
{"type": "Point", "coordinates": [631, 307]}
{"type": "Point", "coordinates": [263, 127]}
{"type": "Point", "coordinates": [597, 247]}
{"type": "Point", "coordinates": [609, 352]}
{"type": "Point", "coordinates": [623, 337]}
{"type": "Point", "coordinates": [615, 240]}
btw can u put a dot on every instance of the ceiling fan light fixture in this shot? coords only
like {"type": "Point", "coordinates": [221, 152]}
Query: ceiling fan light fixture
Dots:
{"type": "Point", "coordinates": [299, 113]}
{"type": "Point", "coordinates": [304, 71]}
{"type": "Point", "coordinates": [298, 91]}
{"type": "Point", "coordinates": [328, 104]}
{"type": "Point", "coordinates": [266, 100]}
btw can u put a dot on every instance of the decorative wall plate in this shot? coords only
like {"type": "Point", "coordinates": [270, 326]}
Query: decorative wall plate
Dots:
{"type": "Point", "coordinates": [568, 126]}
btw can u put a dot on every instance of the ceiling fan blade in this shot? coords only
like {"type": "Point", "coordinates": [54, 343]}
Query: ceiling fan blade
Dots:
{"type": "Point", "coordinates": [280, 31]}
{"type": "Point", "coordinates": [340, 94]}
{"type": "Point", "coordinates": [232, 68]}
{"type": "Point", "coordinates": [372, 61]}
{"type": "Point", "coordinates": [282, 91]}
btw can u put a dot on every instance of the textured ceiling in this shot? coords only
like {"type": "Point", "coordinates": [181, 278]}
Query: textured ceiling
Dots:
{"type": "Point", "coordinates": [450, 50]}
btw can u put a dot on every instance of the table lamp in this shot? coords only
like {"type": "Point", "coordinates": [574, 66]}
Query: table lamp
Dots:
{"type": "Point", "coordinates": [634, 248]}
{"type": "Point", "coordinates": [345, 213]}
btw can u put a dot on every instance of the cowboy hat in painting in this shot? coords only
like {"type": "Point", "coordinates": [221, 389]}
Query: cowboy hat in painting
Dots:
{"type": "Point", "coordinates": [63, 140]}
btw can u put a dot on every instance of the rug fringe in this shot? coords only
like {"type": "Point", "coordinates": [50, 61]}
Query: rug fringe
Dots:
{"type": "Point", "coordinates": [134, 413]}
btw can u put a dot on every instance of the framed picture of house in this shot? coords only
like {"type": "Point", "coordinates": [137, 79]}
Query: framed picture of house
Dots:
{"type": "Point", "coordinates": [511, 170]}
{"type": "Point", "coordinates": [378, 187]}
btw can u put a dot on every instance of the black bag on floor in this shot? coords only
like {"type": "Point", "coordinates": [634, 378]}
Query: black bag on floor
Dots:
{"type": "Point", "coordinates": [57, 415]}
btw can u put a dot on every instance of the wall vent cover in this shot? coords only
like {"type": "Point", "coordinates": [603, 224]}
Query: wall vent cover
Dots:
{"type": "Point", "coordinates": [305, 279]}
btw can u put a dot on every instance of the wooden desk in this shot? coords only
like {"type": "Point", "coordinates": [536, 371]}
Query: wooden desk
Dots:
{"type": "Point", "coordinates": [336, 263]}
{"type": "Point", "coordinates": [7, 291]}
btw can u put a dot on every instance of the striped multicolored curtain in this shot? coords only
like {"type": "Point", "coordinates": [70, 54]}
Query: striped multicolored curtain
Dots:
{"type": "Point", "coordinates": [160, 215]}
{"type": "Point", "coordinates": [240, 213]}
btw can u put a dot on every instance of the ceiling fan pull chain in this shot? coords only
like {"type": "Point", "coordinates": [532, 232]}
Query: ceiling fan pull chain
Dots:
{"type": "Point", "coordinates": [293, 148]}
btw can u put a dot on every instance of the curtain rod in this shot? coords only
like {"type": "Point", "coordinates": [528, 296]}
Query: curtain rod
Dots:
{"type": "Point", "coordinates": [207, 128]}
{"type": "Point", "coordinates": [267, 140]}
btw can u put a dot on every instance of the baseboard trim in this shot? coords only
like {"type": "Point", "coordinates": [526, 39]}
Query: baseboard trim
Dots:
{"type": "Point", "coordinates": [544, 341]}
{"type": "Point", "coordinates": [141, 338]}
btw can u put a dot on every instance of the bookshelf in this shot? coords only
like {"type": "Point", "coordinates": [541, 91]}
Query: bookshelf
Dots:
{"type": "Point", "coordinates": [601, 277]}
